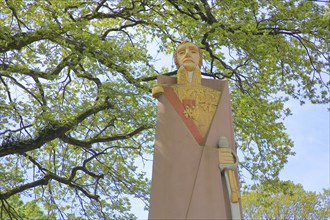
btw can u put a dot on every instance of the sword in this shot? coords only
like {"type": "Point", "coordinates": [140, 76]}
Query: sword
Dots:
{"type": "Point", "coordinates": [228, 163]}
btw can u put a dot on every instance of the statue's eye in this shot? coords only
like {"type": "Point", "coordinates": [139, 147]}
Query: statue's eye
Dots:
{"type": "Point", "coordinates": [181, 52]}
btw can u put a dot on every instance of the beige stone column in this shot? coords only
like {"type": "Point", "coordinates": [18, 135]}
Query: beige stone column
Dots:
{"type": "Point", "coordinates": [186, 179]}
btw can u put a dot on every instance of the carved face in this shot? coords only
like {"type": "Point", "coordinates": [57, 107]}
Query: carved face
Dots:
{"type": "Point", "coordinates": [188, 55]}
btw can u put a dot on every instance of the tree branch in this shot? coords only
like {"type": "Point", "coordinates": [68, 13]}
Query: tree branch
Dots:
{"type": "Point", "coordinates": [43, 181]}
{"type": "Point", "coordinates": [49, 133]}
{"type": "Point", "coordinates": [150, 78]}
{"type": "Point", "coordinates": [20, 40]}
{"type": "Point", "coordinates": [88, 144]}
{"type": "Point", "coordinates": [67, 61]}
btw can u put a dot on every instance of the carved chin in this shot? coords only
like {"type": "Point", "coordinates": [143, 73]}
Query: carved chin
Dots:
{"type": "Point", "coordinates": [189, 66]}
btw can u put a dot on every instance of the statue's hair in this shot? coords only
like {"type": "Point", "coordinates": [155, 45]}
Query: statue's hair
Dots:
{"type": "Point", "coordinates": [175, 56]}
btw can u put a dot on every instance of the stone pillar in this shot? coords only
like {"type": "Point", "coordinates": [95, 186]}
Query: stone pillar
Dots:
{"type": "Point", "coordinates": [186, 179]}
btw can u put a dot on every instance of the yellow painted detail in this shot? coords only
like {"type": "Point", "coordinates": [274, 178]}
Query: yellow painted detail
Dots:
{"type": "Point", "coordinates": [205, 102]}
{"type": "Point", "coordinates": [189, 112]}
{"type": "Point", "coordinates": [226, 156]}
{"type": "Point", "coordinates": [157, 90]}
{"type": "Point", "coordinates": [233, 186]}
{"type": "Point", "coordinates": [183, 78]}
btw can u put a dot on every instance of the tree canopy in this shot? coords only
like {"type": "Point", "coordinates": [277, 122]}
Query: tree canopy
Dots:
{"type": "Point", "coordinates": [15, 208]}
{"type": "Point", "coordinates": [76, 113]}
{"type": "Point", "coordinates": [290, 202]}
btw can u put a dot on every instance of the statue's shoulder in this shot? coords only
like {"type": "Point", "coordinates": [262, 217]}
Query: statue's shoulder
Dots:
{"type": "Point", "coordinates": [217, 84]}
{"type": "Point", "coordinates": [161, 79]}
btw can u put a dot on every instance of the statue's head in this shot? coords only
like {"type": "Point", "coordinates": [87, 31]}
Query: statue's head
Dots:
{"type": "Point", "coordinates": [188, 55]}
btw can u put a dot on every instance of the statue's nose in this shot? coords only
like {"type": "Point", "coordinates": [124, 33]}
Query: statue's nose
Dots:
{"type": "Point", "coordinates": [187, 53]}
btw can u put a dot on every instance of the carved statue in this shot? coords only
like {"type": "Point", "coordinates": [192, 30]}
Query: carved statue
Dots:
{"type": "Point", "coordinates": [193, 113]}
{"type": "Point", "coordinates": [199, 101]}
{"type": "Point", "coordinates": [188, 60]}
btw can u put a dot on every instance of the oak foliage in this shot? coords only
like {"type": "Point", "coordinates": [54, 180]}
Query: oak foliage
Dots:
{"type": "Point", "coordinates": [76, 114]}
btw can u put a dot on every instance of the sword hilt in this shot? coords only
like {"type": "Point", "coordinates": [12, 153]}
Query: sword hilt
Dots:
{"type": "Point", "coordinates": [223, 156]}
{"type": "Point", "coordinates": [226, 166]}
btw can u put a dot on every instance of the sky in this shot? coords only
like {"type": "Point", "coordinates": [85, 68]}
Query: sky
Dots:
{"type": "Point", "coordinates": [309, 129]}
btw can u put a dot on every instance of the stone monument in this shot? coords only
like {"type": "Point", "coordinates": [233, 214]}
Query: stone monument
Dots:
{"type": "Point", "coordinates": [194, 169]}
